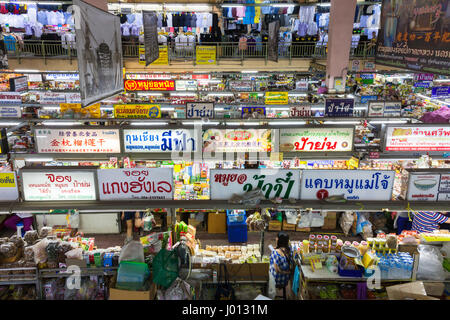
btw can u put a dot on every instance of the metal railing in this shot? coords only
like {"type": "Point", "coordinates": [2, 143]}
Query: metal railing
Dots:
{"type": "Point", "coordinates": [186, 52]}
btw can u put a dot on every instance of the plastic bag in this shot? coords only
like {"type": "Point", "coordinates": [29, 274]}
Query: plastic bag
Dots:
{"type": "Point", "coordinates": [31, 236]}
{"type": "Point", "coordinates": [132, 251]}
{"type": "Point", "coordinates": [179, 290]}
{"type": "Point", "coordinates": [73, 219]}
{"type": "Point", "coordinates": [75, 254]}
{"type": "Point", "coordinates": [40, 251]}
{"type": "Point", "coordinates": [305, 219]}
{"type": "Point", "coordinates": [165, 268]}
{"type": "Point", "coordinates": [346, 221]}
{"type": "Point", "coordinates": [45, 231]}
{"type": "Point", "coordinates": [430, 263]}
{"type": "Point", "coordinates": [148, 221]}
{"type": "Point", "coordinates": [271, 291]}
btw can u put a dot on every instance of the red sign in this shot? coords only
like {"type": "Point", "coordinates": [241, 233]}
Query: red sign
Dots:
{"type": "Point", "coordinates": [149, 85]}
{"type": "Point", "coordinates": [322, 194]}
{"type": "Point", "coordinates": [200, 76]}
{"type": "Point", "coordinates": [374, 155]}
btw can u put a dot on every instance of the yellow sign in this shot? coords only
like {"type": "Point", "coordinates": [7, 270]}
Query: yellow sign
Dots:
{"type": "Point", "coordinates": [94, 110]}
{"type": "Point", "coordinates": [64, 107]}
{"type": "Point", "coordinates": [137, 111]}
{"type": "Point", "coordinates": [163, 56]}
{"type": "Point", "coordinates": [277, 98]}
{"type": "Point", "coordinates": [7, 180]}
{"type": "Point", "coordinates": [142, 55]}
{"type": "Point", "coordinates": [353, 163]}
{"type": "Point", "coordinates": [205, 55]}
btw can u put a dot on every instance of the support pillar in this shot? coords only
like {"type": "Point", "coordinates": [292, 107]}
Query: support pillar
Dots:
{"type": "Point", "coordinates": [342, 14]}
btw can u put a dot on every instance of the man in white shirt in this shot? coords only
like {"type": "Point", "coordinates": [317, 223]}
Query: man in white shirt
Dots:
{"type": "Point", "coordinates": [25, 218]}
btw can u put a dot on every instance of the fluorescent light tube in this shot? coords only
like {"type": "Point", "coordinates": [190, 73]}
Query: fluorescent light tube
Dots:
{"type": "Point", "coordinates": [342, 122]}
{"type": "Point", "coordinates": [285, 123]}
{"type": "Point", "coordinates": [38, 159]}
{"type": "Point", "coordinates": [152, 123]}
{"type": "Point", "coordinates": [249, 71]}
{"type": "Point", "coordinates": [60, 123]}
{"type": "Point", "coordinates": [10, 124]}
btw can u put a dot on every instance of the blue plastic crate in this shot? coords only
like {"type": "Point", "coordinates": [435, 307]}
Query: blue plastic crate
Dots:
{"type": "Point", "coordinates": [236, 219]}
{"type": "Point", "coordinates": [350, 273]}
{"type": "Point", "coordinates": [237, 233]}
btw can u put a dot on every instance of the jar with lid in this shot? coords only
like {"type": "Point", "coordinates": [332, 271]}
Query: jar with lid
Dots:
{"type": "Point", "coordinates": [319, 248]}
{"type": "Point", "coordinates": [339, 244]}
{"type": "Point", "coordinates": [326, 247]}
{"type": "Point", "coordinates": [319, 237]}
{"type": "Point", "coordinates": [363, 247]}
{"type": "Point", "coordinates": [326, 239]}
{"type": "Point", "coordinates": [312, 239]}
{"type": "Point", "coordinates": [332, 249]}
{"type": "Point", "coordinates": [333, 240]}
{"type": "Point", "coordinates": [355, 244]}
{"type": "Point", "coordinates": [347, 243]}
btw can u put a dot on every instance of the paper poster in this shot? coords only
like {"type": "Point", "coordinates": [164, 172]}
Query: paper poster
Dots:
{"type": "Point", "coordinates": [316, 140]}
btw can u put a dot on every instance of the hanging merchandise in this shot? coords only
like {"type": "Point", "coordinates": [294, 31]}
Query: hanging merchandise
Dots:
{"type": "Point", "coordinates": [149, 220]}
{"type": "Point", "coordinates": [73, 219]}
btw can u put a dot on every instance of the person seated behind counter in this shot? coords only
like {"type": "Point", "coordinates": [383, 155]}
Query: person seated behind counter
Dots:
{"type": "Point", "coordinates": [428, 221]}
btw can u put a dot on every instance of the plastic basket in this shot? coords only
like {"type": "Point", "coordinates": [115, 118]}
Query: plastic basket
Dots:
{"type": "Point", "coordinates": [351, 273]}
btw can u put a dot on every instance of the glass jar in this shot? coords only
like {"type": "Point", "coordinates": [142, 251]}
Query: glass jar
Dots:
{"type": "Point", "coordinates": [333, 240]}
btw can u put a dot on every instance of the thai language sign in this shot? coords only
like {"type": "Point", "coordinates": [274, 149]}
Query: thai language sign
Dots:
{"type": "Point", "coordinates": [375, 185]}
{"type": "Point", "coordinates": [8, 186]}
{"type": "Point", "coordinates": [300, 112]}
{"type": "Point", "coordinates": [58, 185]}
{"type": "Point", "coordinates": [8, 98]}
{"type": "Point", "coordinates": [247, 111]}
{"type": "Point", "coordinates": [149, 85]}
{"type": "Point", "coordinates": [144, 140]}
{"type": "Point", "coordinates": [136, 183]}
{"type": "Point", "coordinates": [277, 97]}
{"type": "Point", "coordinates": [197, 110]}
{"type": "Point", "coordinates": [186, 85]}
{"type": "Point", "coordinates": [52, 98]}
{"type": "Point", "coordinates": [339, 107]}
{"type": "Point", "coordinates": [415, 35]}
{"type": "Point", "coordinates": [239, 140]}
{"type": "Point", "coordinates": [77, 140]}
{"type": "Point", "coordinates": [205, 55]}
{"type": "Point", "coordinates": [440, 92]}
{"type": "Point", "coordinates": [418, 138]}
{"type": "Point", "coordinates": [429, 187]}
{"type": "Point", "coordinates": [273, 183]}
{"type": "Point", "coordinates": [316, 139]}
{"type": "Point", "coordinates": [137, 111]}
{"type": "Point", "coordinates": [10, 112]}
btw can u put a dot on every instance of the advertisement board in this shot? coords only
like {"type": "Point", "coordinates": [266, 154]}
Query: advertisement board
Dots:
{"type": "Point", "coordinates": [239, 140]}
{"type": "Point", "coordinates": [134, 111]}
{"type": "Point", "coordinates": [149, 85]}
{"type": "Point", "coordinates": [316, 140]}
{"type": "Point", "coordinates": [8, 187]}
{"type": "Point", "coordinates": [200, 110]}
{"type": "Point", "coordinates": [158, 140]}
{"type": "Point", "coordinates": [276, 97]}
{"type": "Point", "coordinates": [418, 138]}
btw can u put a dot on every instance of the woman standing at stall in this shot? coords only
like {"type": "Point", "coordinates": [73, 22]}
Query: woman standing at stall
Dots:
{"type": "Point", "coordinates": [281, 262]}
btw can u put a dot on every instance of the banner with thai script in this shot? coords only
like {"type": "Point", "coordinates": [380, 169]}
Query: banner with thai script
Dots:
{"type": "Point", "coordinates": [77, 140]}
{"type": "Point", "coordinates": [277, 97]}
{"type": "Point", "coordinates": [8, 186]}
{"type": "Point", "coordinates": [415, 35]}
{"type": "Point", "coordinates": [365, 99]}
{"type": "Point", "coordinates": [74, 97]}
{"type": "Point", "coordinates": [273, 183]}
{"type": "Point", "coordinates": [301, 85]}
{"type": "Point", "coordinates": [200, 110]}
{"type": "Point", "coordinates": [418, 138]}
{"type": "Point", "coordinates": [392, 109]}
{"type": "Point", "coordinates": [163, 58]}
{"type": "Point", "coordinates": [62, 76]}
{"type": "Point", "coordinates": [376, 108]}
{"type": "Point", "coordinates": [339, 107]}
{"type": "Point", "coordinates": [136, 183]}
{"type": "Point", "coordinates": [52, 98]}
{"type": "Point", "coordinates": [205, 55]}
{"type": "Point", "coordinates": [186, 85]}
{"type": "Point", "coordinates": [239, 140]}
{"type": "Point", "coordinates": [440, 92]}
{"type": "Point", "coordinates": [149, 85]}
{"type": "Point", "coordinates": [428, 187]}
{"type": "Point", "coordinates": [156, 140]}
{"type": "Point", "coordinates": [10, 112]}
{"type": "Point", "coordinates": [9, 98]}
{"type": "Point", "coordinates": [58, 185]}
{"type": "Point", "coordinates": [137, 111]}
{"type": "Point", "coordinates": [300, 112]}
{"type": "Point", "coordinates": [18, 84]}
{"type": "Point", "coordinates": [316, 140]}
{"type": "Point", "coordinates": [373, 185]}
{"type": "Point", "coordinates": [248, 111]}
{"type": "Point", "coordinates": [424, 77]}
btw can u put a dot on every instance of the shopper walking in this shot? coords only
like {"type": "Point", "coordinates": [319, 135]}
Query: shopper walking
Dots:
{"type": "Point", "coordinates": [138, 223]}
{"type": "Point", "coordinates": [281, 263]}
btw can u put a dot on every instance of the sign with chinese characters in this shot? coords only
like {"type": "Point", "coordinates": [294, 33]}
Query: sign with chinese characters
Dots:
{"type": "Point", "coordinates": [239, 140]}
{"type": "Point", "coordinates": [414, 35]}
{"type": "Point", "coordinates": [440, 92]}
{"type": "Point", "coordinates": [273, 183]}
{"type": "Point", "coordinates": [248, 111]}
{"type": "Point", "coordinates": [10, 112]}
{"type": "Point", "coordinates": [339, 107]}
{"type": "Point", "coordinates": [58, 185]}
{"type": "Point", "coordinates": [18, 84]}
{"type": "Point", "coordinates": [277, 97]}
{"type": "Point", "coordinates": [300, 112]}
{"type": "Point", "coordinates": [205, 55]}
{"type": "Point", "coordinates": [8, 186]}
{"type": "Point", "coordinates": [199, 110]}
{"type": "Point", "coordinates": [392, 109]}
{"type": "Point", "coordinates": [10, 98]}
{"type": "Point", "coordinates": [136, 183]}
{"type": "Point", "coordinates": [418, 138]}
{"type": "Point", "coordinates": [316, 140]}
{"type": "Point", "coordinates": [51, 98]}
{"type": "Point", "coordinates": [153, 140]}
{"type": "Point", "coordinates": [77, 140]}
{"type": "Point", "coordinates": [137, 111]}
{"type": "Point", "coordinates": [186, 85]}
{"type": "Point", "coordinates": [376, 108]}
{"type": "Point", "coordinates": [374, 185]}
{"type": "Point", "coordinates": [149, 85]}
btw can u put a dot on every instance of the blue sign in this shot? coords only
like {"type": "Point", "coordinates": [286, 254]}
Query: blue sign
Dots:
{"type": "Point", "coordinates": [422, 84]}
{"type": "Point", "coordinates": [440, 92]}
{"type": "Point", "coordinates": [365, 99]}
{"type": "Point", "coordinates": [339, 107]}
{"type": "Point", "coordinates": [246, 111]}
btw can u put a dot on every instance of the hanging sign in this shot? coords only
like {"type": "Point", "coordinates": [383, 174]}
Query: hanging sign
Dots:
{"type": "Point", "coordinates": [277, 97]}
{"type": "Point", "coordinates": [85, 140]}
{"type": "Point", "coordinates": [418, 138]}
{"type": "Point", "coordinates": [339, 107]}
{"type": "Point", "coordinates": [273, 183]}
{"type": "Point", "coordinates": [428, 187]}
{"type": "Point", "coordinates": [52, 98]}
{"type": "Point", "coordinates": [365, 99]}
{"type": "Point", "coordinates": [149, 85]}
{"type": "Point", "coordinates": [423, 84]}
{"type": "Point", "coordinates": [392, 109]}
{"type": "Point", "coordinates": [186, 85]}
{"type": "Point", "coordinates": [144, 111]}
{"type": "Point", "coordinates": [367, 78]}
{"type": "Point", "coordinates": [247, 111]}
{"type": "Point", "coordinates": [58, 185]}
{"type": "Point", "coordinates": [241, 85]}
{"type": "Point", "coordinates": [153, 140]}
{"type": "Point", "coordinates": [376, 108]}
{"type": "Point", "coordinates": [300, 112]}
{"type": "Point", "coordinates": [301, 85]}
{"type": "Point", "coordinates": [10, 112]}
{"type": "Point", "coordinates": [18, 84]}
{"type": "Point", "coordinates": [316, 140]}
{"type": "Point", "coordinates": [73, 97]}
{"type": "Point", "coordinates": [374, 185]}
{"type": "Point", "coordinates": [62, 76]}
{"type": "Point", "coordinates": [9, 98]}
{"type": "Point", "coordinates": [200, 110]}
{"type": "Point", "coordinates": [369, 66]}
{"type": "Point", "coordinates": [8, 187]}
{"type": "Point", "coordinates": [424, 77]}
{"type": "Point", "coordinates": [239, 140]}
{"type": "Point", "coordinates": [440, 92]}
{"type": "Point", "coordinates": [205, 55]}
{"type": "Point", "coordinates": [136, 183]}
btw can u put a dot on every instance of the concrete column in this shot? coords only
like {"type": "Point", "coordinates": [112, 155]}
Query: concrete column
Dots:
{"type": "Point", "coordinates": [342, 14]}
{"type": "Point", "coordinates": [101, 4]}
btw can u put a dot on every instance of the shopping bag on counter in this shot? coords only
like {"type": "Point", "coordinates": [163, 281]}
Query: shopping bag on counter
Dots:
{"type": "Point", "coordinates": [225, 290]}
{"type": "Point", "coordinates": [179, 290]}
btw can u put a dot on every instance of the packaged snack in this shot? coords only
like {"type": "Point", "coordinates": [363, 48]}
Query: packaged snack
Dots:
{"type": "Point", "coordinates": [31, 236]}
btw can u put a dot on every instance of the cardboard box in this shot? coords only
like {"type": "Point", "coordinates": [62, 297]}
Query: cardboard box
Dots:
{"type": "Point", "coordinates": [288, 226]}
{"type": "Point", "coordinates": [274, 225]}
{"type": "Point", "coordinates": [408, 291]}
{"type": "Point", "coordinates": [217, 222]}
{"type": "Point", "coordinates": [117, 294]}
{"type": "Point", "coordinates": [76, 262]}
{"type": "Point", "coordinates": [302, 229]}
{"type": "Point", "coordinates": [330, 221]}
{"type": "Point", "coordinates": [434, 288]}
{"type": "Point", "coordinates": [246, 271]}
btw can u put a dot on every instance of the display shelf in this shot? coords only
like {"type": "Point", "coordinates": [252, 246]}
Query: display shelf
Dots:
{"type": "Point", "coordinates": [62, 273]}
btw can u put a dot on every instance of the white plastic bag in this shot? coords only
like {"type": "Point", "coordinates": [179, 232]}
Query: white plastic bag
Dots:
{"type": "Point", "coordinates": [305, 219]}
{"type": "Point", "coordinates": [346, 221]}
{"type": "Point", "coordinates": [73, 219]}
{"type": "Point", "coordinates": [272, 290]}
{"type": "Point", "coordinates": [430, 263]}
{"type": "Point", "coordinates": [179, 290]}
{"type": "Point", "coordinates": [132, 251]}
{"type": "Point", "coordinates": [40, 251]}
{"type": "Point", "coordinates": [75, 254]}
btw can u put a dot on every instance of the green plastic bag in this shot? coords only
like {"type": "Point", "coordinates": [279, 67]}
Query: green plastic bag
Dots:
{"type": "Point", "coordinates": [165, 268]}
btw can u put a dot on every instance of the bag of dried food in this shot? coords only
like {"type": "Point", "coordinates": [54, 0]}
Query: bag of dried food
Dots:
{"type": "Point", "coordinates": [40, 251]}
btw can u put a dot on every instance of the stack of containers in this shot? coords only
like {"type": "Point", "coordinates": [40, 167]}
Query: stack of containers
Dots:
{"type": "Point", "coordinates": [396, 266]}
{"type": "Point", "coordinates": [237, 226]}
